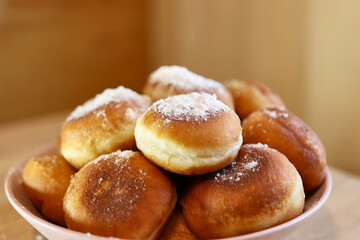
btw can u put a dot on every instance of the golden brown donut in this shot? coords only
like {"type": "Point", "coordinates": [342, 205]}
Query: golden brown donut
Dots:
{"type": "Point", "coordinates": [176, 228]}
{"type": "Point", "coordinates": [282, 130]}
{"type": "Point", "coordinates": [102, 125]}
{"type": "Point", "coordinates": [120, 194]}
{"type": "Point", "coordinates": [46, 179]}
{"type": "Point", "coordinates": [168, 81]}
{"type": "Point", "coordinates": [250, 96]}
{"type": "Point", "coordinates": [260, 189]}
{"type": "Point", "coordinates": [189, 134]}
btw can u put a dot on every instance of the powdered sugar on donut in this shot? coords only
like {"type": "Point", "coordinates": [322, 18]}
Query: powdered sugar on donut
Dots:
{"type": "Point", "coordinates": [119, 94]}
{"type": "Point", "coordinates": [181, 78]}
{"type": "Point", "coordinates": [189, 107]}
{"type": "Point", "coordinates": [260, 145]}
{"type": "Point", "coordinates": [249, 163]}
{"type": "Point", "coordinates": [275, 114]}
{"type": "Point", "coordinates": [236, 171]}
{"type": "Point", "coordinates": [130, 114]}
{"type": "Point", "coordinates": [115, 176]}
{"type": "Point", "coordinates": [119, 154]}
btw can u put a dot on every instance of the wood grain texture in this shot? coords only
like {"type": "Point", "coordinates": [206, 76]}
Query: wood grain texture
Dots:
{"type": "Point", "coordinates": [332, 74]}
{"type": "Point", "coordinates": [338, 219]}
{"type": "Point", "coordinates": [57, 54]}
{"type": "Point", "coordinates": [307, 51]}
{"type": "Point", "coordinates": [255, 40]}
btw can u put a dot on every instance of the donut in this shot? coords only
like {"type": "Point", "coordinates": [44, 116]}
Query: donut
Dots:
{"type": "Point", "coordinates": [46, 179]}
{"type": "Point", "coordinates": [284, 131]}
{"type": "Point", "coordinates": [176, 228]}
{"type": "Point", "coordinates": [168, 81]}
{"type": "Point", "coordinates": [102, 125]}
{"type": "Point", "coordinates": [189, 134]}
{"type": "Point", "coordinates": [260, 189]}
{"type": "Point", "coordinates": [120, 194]}
{"type": "Point", "coordinates": [250, 96]}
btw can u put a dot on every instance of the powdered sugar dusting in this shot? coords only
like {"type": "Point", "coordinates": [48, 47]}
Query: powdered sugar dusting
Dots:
{"type": "Point", "coordinates": [46, 158]}
{"type": "Point", "coordinates": [244, 166]}
{"type": "Point", "coordinates": [130, 114]}
{"type": "Point", "coordinates": [285, 115]}
{"type": "Point", "coordinates": [181, 78]}
{"type": "Point", "coordinates": [116, 185]}
{"type": "Point", "coordinates": [272, 114]}
{"type": "Point", "coordinates": [260, 145]}
{"type": "Point", "coordinates": [189, 107]}
{"type": "Point", "coordinates": [119, 155]}
{"type": "Point", "coordinates": [275, 114]}
{"type": "Point", "coordinates": [236, 171]}
{"type": "Point", "coordinates": [228, 174]}
{"type": "Point", "coordinates": [250, 165]}
{"type": "Point", "coordinates": [119, 94]}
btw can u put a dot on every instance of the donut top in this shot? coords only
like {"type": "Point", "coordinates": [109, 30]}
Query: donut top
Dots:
{"type": "Point", "coordinates": [180, 78]}
{"type": "Point", "coordinates": [295, 126]}
{"type": "Point", "coordinates": [251, 161]}
{"type": "Point", "coordinates": [49, 162]}
{"type": "Point", "coordinates": [114, 186]}
{"type": "Point", "coordinates": [118, 95]}
{"type": "Point", "coordinates": [52, 166]}
{"type": "Point", "coordinates": [45, 158]}
{"type": "Point", "coordinates": [121, 157]}
{"type": "Point", "coordinates": [189, 107]}
{"type": "Point", "coordinates": [275, 114]}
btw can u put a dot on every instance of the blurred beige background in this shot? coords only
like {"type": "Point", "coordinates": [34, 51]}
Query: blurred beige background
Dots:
{"type": "Point", "coordinates": [55, 55]}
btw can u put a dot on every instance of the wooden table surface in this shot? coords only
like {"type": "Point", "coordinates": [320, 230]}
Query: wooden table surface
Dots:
{"type": "Point", "coordinates": [339, 218]}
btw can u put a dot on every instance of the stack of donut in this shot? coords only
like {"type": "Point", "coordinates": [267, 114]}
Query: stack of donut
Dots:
{"type": "Point", "coordinates": [190, 159]}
